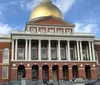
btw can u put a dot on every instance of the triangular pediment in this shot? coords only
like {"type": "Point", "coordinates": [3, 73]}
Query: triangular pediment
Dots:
{"type": "Point", "coordinates": [50, 20]}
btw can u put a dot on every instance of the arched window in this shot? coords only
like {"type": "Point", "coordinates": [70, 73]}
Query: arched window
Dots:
{"type": "Point", "coordinates": [5, 55]}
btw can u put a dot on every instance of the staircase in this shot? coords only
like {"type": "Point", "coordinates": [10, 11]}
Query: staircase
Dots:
{"type": "Point", "coordinates": [29, 82]}
{"type": "Point", "coordinates": [66, 83]}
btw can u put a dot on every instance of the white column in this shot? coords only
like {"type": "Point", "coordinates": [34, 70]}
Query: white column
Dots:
{"type": "Point", "coordinates": [26, 42]}
{"type": "Point", "coordinates": [29, 50]}
{"type": "Point", "coordinates": [66, 51]}
{"type": "Point", "coordinates": [90, 50]}
{"type": "Point", "coordinates": [81, 51]}
{"type": "Point", "coordinates": [87, 52]}
{"type": "Point", "coordinates": [75, 52]}
{"type": "Point", "coordinates": [12, 58]}
{"type": "Point", "coordinates": [39, 50]}
{"type": "Point", "coordinates": [93, 51]}
{"type": "Point", "coordinates": [59, 53]}
{"type": "Point", "coordinates": [16, 47]}
{"type": "Point", "coordinates": [78, 51]}
{"type": "Point", "coordinates": [49, 49]}
{"type": "Point", "coordinates": [68, 44]}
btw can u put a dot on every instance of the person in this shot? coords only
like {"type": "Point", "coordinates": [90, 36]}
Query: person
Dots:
{"type": "Point", "coordinates": [50, 81]}
{"type": "Point", "coordinates": [73, 79]}
{"type": "Point", "coordinates": [45, 81]}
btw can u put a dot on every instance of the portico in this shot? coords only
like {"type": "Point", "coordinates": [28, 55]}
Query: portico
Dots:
{"type": "Point", "coordinates": [63, 50]}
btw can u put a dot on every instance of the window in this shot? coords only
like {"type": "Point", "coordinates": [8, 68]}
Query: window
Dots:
{"type": "Point", "coordinates": [63, 57]}
{"type": "Point", "coordinates": [60, 31]}
{"type": "Point", "coordinates": [43, 53]}
{"type": "Point", "coordinates": [5, 55]}
{"type": "Point", "coordinates": [84, 54]}
{"type": "Point", "coordinates": [21, 54]}
{"type": "Point", "coordinates": [53, 53]}
{"type": "Point", "coordinates": [42, 30]}
{"type": "Point", "coordinates": [51, 30]}
{"type": "Point", "coordinates": [68, 31]}
{"type": "Point", "coordinates": [65, 71]}
{"type": "Point", "coordinates": [72, 54]}
{"type": "Point", "coordinates": [33, 29]}
{"type": "Point", "coordinates": [34, 53]}
{"type": "Point", "coordinates": [5, 72]}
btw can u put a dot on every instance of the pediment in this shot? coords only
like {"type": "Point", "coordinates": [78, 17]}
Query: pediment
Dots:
{"type": "Point", "coordinates": [51, 20]}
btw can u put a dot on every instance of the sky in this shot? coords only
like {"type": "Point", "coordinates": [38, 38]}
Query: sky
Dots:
{"type": "Point", "coordinates": [85, 14]}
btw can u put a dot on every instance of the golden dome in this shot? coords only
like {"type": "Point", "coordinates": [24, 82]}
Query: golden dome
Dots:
{"type": "Point", "coordinates": [46, 8]}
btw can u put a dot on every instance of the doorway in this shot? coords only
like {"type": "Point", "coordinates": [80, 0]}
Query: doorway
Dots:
{"type": "Point", "coordinates": [75, 71]}
{"type": "Point", "coordinates": [35, 70]}
{"type": "Point", "coordinates": [55, 71]}
{"type": "Point", "coordinates": [88, 72]}
{"type": "Point", "coordinates": [21, 72]}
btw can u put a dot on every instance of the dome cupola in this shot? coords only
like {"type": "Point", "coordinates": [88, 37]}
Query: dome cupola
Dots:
{"type": "Point", "coordinates": [46, 8]}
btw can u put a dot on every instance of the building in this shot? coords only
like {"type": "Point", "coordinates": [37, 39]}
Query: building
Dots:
{"type": "Point", "coordinates": [48, 48]}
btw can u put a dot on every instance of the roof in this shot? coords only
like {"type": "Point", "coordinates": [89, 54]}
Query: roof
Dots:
{"type": "Point", "coordinates": [51, 21]}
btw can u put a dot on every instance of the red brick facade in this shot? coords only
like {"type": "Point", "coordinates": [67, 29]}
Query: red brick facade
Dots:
{"type": "Point", "coordinates": [81, 70]}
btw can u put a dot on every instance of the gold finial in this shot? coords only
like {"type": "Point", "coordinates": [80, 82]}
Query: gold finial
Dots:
{"type": "Point", "coordinates": [45, 1]}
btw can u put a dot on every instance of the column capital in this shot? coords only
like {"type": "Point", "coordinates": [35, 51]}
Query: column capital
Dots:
{"type": "Point", "coordinates": [80, 41]}
{"type": "Point", "coordinates": [30, 39]}
{"type": "Point", "coordinates": [90, 41]}
{"type": "Point", "coordinates": [58, 40]}
{"type": "Point", "coordinates": [16, 39]}
{"type": "Point", "coordinates": [49, 39]}
{"type": "Point", "coordinates": [39, 39]}
{"type": "Point", "coordinates": [68, 40]}
{"type": "Point", "coordinates": [77, 40]}
{"type": "Point", "coordinates": [26, 39]}
{"type": "Point", "coordinates": [12, 40]}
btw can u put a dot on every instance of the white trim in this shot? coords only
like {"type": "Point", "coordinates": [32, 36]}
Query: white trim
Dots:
{"type": "Point", "coordinates": [60, 68]}
{"type": "Point", "coordinates": [81, 68]}
{"type": "Point", "coordinates": [5, 40]}
{"type": "Point", "coordinates": [50, 68]}
{"type": "Point", "coordinates": [52, 61]}
{"type": "Point", "coordinates": [53, 37]}
{"type": "Point", "coordinates": [5, 60]}
{"type": "Point", "coordinates": [28, 68]}
{"type": "Point", "coordinates": [4, 63]}
{"type": "Point", "coordinates": [13, 68]}
{"type": "Point", "coordinates": [96, 43]}
{"type": "Point", "coordinates": [70, 68]}
{"type": "Point", "coordinates": [93, 68]}
{"type": "Point", "coordinates": [40, 68]}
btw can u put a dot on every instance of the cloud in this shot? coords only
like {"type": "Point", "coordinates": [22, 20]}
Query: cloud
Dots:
{"type": "Point", "coordinates": [13, 2]}
{"type": "Point", "coordinates": [30, 5]}
{"type": "Point", "coordinates": [63, 5]}
{"type": "Point", "coordinates": [7, 29]}
{"type": "Point", "coordinates": [87, 27]}
{"type": "Point", "coordinates": [1, 12]}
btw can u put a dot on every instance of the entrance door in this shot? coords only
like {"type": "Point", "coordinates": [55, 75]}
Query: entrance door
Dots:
{"type": "Point", "coordinates": [54, 75]}
{"type": "Point", "coordinates": [88, 72]}
{"type": "Point", "coordinates": [55, 72]}
{"type": "Point", "coordinates": [35, 72]}
{"type": "Point", "coordinates": [45, 72]}
{"type": "Point", "coordinates": [21, 72]}
{"type": "Point", "coordinates": [65, 72]}
{"type": "Point", "coordinates": [75, 71]}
